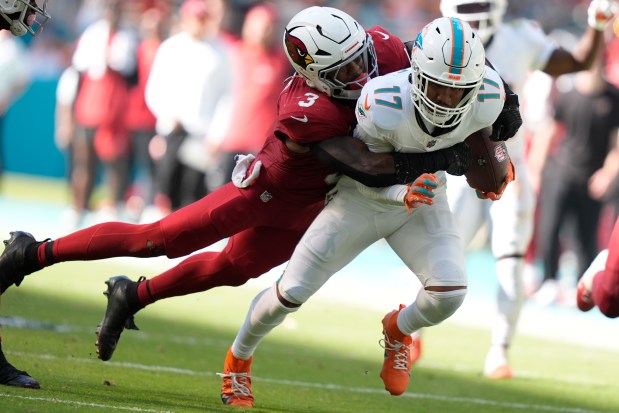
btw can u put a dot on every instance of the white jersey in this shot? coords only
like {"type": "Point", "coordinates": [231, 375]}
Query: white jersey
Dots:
{"type": "Point", "coordinates": [518, 48]}
{"type": "Point", "coordinates": [388, 122]}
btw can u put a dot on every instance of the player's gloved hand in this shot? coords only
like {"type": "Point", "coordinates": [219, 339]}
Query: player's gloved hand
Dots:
{"type": "Point", "coordinates": [509, 120]}
{"type": "Point", "coordinates": [601, 12]}
{"type": "Point", "coordinates": [511, 175]}
{"type": "Point", "coordinates": [420, 192]}
{"type": "Point", "coordinates": [459, 159]}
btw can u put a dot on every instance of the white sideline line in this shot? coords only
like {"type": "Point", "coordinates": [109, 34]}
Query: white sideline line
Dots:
{"type": "Point", "coordinates": [77, 403]}
{"type": "Point", "coordinates": [326, 386]}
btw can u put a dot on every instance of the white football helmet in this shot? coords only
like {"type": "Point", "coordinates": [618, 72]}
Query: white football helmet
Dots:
{"type": "Point", "coordinates": [484, 16]}
{"type": "Point", "coordinates": [23, 16]}
{"type": "Point", "coordinates": [331, 51]}
{"type": "Point", "coordinates": [446, 52]}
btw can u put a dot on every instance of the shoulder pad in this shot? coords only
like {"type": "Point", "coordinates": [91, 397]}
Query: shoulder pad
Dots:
{"type": "Point", "coordinates": [378, 97]}
{"type": "Point", "coordinates": [490, 98]}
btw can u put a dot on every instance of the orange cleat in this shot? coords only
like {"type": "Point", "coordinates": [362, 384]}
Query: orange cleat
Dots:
{"type": "Point", "coordinates": [501, 373]}
{"type": "Point", "coordinates": [396, 371]}
{"type": "Point", "coordinates": [236, 385]}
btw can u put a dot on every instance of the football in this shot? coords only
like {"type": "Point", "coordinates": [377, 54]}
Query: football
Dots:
{"type": "Point", "coordinates": [490, 162]}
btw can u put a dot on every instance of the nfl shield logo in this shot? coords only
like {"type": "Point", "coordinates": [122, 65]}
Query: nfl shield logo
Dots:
{"type": "Point", "coordinates": [431, 143]}
{"type": "Point", "coordinates": [500, 152]}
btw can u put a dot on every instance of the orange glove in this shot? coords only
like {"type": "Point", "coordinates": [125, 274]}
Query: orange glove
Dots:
{"type": "Point", "coordinates": [420, 192]}
{"type": "Point", "coordinates": [511, 175]}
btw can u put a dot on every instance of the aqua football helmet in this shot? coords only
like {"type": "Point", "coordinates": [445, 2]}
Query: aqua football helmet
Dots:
{"type": "Point", "coordinates": [448, 53]}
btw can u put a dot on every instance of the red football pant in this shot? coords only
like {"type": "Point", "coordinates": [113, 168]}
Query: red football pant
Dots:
{"type": "Point", "coordinates": [262, 236]}
{"type": "Point", "coordinates": [606, 283]}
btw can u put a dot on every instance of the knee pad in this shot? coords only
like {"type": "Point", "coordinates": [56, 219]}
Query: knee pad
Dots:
{"type": "Point", "coordinates": [433, 307]}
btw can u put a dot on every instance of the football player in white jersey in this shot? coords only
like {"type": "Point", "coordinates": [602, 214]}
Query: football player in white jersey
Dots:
{"type": "Point", "coordinates": [514, 49]}
{"type": "Point", "coordinates": [19, 17]}
{"type": "Point", "coordinates": [447, 94]}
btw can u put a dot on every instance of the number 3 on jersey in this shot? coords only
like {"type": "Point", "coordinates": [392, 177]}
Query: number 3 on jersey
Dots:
{"type": "Point", "coordinates": [309, 101]}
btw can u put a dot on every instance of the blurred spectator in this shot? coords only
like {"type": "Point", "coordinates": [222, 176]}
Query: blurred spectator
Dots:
{"type": "Point", "coordinates": [188, 88]}
{"type": "Point", "coordinates": [260, 69]}
{"type": "Point", "coordinates": [105, 56]}
{"type": "Point", "coordinates": [154, 26]}
{"type": "Point", "coordinates": [574, 181]}
{"type": "Point", "coordinates": [65, 129]}
{"type": "Point", "coordinates": [15, 77]}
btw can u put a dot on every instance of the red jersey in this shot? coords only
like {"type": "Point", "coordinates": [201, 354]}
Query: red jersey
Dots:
{"type": "Point", "coordinates": [307, 116]}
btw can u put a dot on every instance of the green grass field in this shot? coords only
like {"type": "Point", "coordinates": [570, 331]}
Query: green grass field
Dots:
{"type": "Point", "coordinates": [325, 358]}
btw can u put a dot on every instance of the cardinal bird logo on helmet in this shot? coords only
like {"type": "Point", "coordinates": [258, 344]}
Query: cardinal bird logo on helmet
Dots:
{"type": "Point", "coordinates": [297, 51]}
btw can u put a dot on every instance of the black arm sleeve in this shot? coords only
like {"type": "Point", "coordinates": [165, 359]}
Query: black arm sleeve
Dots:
{"type": "Point", "coordinates": [351, 157]}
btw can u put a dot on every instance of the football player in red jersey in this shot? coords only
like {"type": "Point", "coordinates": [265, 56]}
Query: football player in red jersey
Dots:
{"type": "Point", "coordinates": [20, 17]}
{"type": "Point", "coordinates": [272, 199]}
{"type": "Point", "coordinates": [599, 285]}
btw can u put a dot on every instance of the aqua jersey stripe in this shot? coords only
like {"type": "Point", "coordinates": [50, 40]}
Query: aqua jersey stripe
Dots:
{"type": "Point", "coordinates": [457, 52]}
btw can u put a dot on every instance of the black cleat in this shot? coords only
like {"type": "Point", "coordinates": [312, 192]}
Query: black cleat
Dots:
{"type": "Point", "coordinates": [10, 376]}
{"type": "Point", "coordinates": [117, 317]}
{"type": "Point", "coordinates": [14, 265]}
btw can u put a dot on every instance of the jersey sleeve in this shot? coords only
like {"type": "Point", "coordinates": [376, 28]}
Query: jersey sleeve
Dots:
{"type": "Point", "coordinates": [313, 117]}
{"type": "Point", "coordinates": [375, 123]}
{"type": "Point", "coordinates": [490, 98]}
{"type": "Point", "coordinates": [539, 44]}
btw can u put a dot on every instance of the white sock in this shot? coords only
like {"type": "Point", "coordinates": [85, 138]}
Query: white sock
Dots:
{"type": "Point", "coordinates": [265, 313]}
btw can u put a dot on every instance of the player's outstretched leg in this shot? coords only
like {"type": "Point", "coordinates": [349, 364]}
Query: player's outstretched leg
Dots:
{"type": "Point", "coordinates": [236, 383]}
{"type": "Point", "coordinates": [16, 261]}
{"type": "Point", "coordinates": [396, 371]}
{"type": "Point", "coordinates": [10, 376]}
{"type": "Point", "coordinates": [118, 315]}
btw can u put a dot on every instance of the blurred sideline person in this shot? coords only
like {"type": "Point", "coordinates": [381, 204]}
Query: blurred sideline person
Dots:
{"type": "Point", "coordinates": [260, 70]}
{"type": "Point", "coordinates": [576, 180]}
{"type": "Point", "coordinates": [188, 84]}
{"type": "Point", "coordinates": [14, 81]}
{"type": "Point", "coordinates": [599, 285]}
{"type": "Point", "coordinates": [204, 170]}
{"type": "Point", "coordinates": [153, 28]}
{"type": "Point", "coordinates": [274, 196]}
{"type": "Point", "coordinates": [105, 57]}
{"type": "Point", "coordinates": [19, 18]}
{"type": "Point", "coordinates": [514, 49]}
{"type": "Point", "coordinates": [435, 104]}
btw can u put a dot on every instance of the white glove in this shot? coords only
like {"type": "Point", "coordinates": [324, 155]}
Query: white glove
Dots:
{"type": "Point", "coordinates": [601, 12]}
